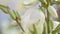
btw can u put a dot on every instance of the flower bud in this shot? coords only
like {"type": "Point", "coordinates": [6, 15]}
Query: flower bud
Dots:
{"type": "Point", "coordinates": [52, 11]}
{"type": "Point", "coordinates": [4, 8]}
{"type": "Point", "coordinates": [13, 16]}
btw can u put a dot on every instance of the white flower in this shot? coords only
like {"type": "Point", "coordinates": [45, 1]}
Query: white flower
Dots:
{"type": "Point", "coordinates": [31, 16]}
{"type": "Point", "coordinates": [52, 11]}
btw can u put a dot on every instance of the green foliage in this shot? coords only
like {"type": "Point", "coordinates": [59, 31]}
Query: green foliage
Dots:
{"type": "Point", "coordinates": [51, 25]}
{"type": "Point", "coordinates": [57, 29]}
{"type": "Point", "coordinates": [17, 14]}
{"type": "Point", "coordinates": [35, 30]}
{"type": "Point", "coordinates": [4, 8]}
{"type": "Point", "coordinates": [14, 15]}
{"type": "Point", "coordinates": [45, 29]}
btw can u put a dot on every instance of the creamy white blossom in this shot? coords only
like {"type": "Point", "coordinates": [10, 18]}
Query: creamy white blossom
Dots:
{"type": "Point", "coordinates": [31, 16]}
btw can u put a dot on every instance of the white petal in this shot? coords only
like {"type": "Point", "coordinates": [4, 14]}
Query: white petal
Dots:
{"type": "Point", "coordinates": [31, 16]}
{"type": "Point", "coordinates": [36, 15]}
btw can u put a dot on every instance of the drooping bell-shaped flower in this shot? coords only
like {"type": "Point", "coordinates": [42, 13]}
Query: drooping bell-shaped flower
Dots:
{"type": "Point", "coordinates": [31, 16]}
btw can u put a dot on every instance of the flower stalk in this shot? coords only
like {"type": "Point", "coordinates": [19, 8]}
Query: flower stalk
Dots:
{"type": "Point", "coordinates": [48, 28]}
{"type": "Point", "coordinates": [48, 17]}
{"type": "Point", "coordinates": [19, 24]}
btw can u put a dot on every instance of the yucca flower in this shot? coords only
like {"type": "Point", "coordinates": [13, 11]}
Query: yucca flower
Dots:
{"type": "Point", "coordinates": [31, 16]}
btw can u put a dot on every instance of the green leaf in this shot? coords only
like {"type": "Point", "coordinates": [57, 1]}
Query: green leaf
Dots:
{"type": "Point", "coordinates": [53, 32]}
{"type": "Point", "coordinates": [41, 8]}
{"type": "Point", "coordinates": [51, 25]}
{"type": "Point", "coordinates": [42, 1]}
{"type": "Point", "coordinates": [57, 29]}
{"type": "Point", "coordinates": [34, 29]}
{"type": "Point", "coordinates": [17, 14]}
{"type": "Point", "coordinates": [45, 29]}
{"type": "Point", "coordinates": [4, 8]}
{"type": "Point", "coordinates": [12, 15]}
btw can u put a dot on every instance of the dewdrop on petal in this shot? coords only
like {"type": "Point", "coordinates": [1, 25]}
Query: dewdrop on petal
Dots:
{"type": "Point", "coordinates": [52, 11]}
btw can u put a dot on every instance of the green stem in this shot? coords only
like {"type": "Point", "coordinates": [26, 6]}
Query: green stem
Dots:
{"type": "Point", "coordinates": [48, 28]}
{"type": "Point", "coordinates": [48, 17]}
{"type": "Point", "coordinates": [19, 24]}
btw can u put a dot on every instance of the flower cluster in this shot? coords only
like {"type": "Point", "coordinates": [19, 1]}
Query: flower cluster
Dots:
{"type": "Point", "coordinates": [33, 16]}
